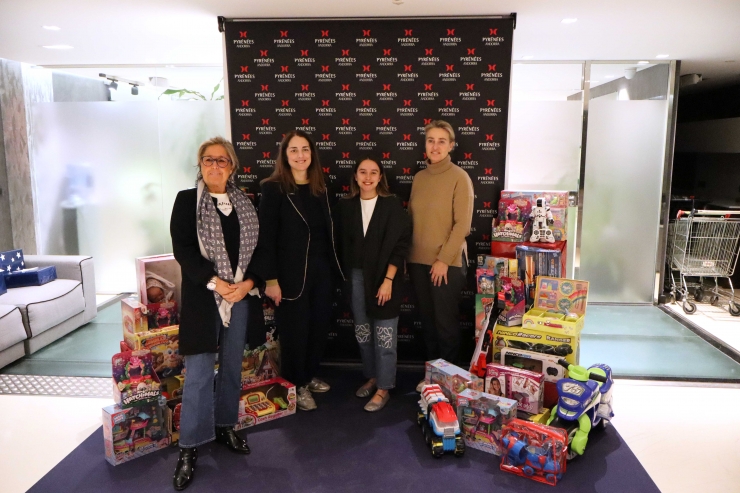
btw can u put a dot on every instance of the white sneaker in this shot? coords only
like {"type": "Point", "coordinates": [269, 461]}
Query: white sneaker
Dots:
{"type": "Point", "coordinates": [421, 385]}
{"type": "Point", "coordinates": [304, 400]}
{"type": "Point", "coordinates": [316, 385]}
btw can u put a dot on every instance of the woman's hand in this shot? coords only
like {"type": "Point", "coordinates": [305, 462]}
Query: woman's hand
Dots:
{"type": "Point", "coordinates": [438, 272]}
{"type": "Point", "coordinates": [241, 289]}
{"type": "Point", "coordinates": [274, 293]}
{"type": "Point", "coordinates": [384, 292]}
{"type": "Point", "coordinates": [223, 288]}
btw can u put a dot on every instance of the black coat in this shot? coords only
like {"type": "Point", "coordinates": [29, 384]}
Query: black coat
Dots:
{"type": "Point", "coordinates": [387, 241]}
{"type": "Point", "coordinates": [282, 248]}
{"type": "Point", "coordinates": [198, 312]}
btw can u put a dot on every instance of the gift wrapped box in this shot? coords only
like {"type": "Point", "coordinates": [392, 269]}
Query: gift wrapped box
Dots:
{"type": "Point", "coordinates": [30, 277]}
{"type": "Point", "coordinates": [11, 260]}
{"type": "Point", "coordinates": [3, 289]}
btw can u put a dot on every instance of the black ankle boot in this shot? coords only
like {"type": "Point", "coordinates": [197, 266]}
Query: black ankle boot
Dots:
{"type": "Point", "coordinates": [236, 443]}
{"type": "Point", "coordinates": [185, 468]}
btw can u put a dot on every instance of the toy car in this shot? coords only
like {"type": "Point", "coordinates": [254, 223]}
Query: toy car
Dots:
{"type": "Point", "coordinates": [533, 450]}
{"type": "Point", "coordinates": [439, 423]}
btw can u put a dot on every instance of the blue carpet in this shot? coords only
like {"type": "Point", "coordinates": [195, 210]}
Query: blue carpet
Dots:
{"type": "Point", "coordinates": [341, 448]}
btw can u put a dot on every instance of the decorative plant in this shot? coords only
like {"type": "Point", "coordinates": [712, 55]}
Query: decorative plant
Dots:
{"type": "Point", "coordinates": [190, 94]}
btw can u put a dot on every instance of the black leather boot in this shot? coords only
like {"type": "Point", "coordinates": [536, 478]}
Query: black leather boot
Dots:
{"type": "Point", "coordinates": [185, 468]}
{"type": "Point", "coordinates": [235, 443]}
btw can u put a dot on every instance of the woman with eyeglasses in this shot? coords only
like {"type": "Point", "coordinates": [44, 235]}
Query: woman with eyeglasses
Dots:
{"type": "Point", "coordinates": [296, 259]}
{"type": "Point", "coordinates": [214, 230]}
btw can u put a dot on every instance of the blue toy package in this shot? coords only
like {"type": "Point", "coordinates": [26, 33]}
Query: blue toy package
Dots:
{"type": "Point", "coordinates": [535, 261]}
{"type": "Point", "coordinates": [11, 260]}
{"type": "Point", "coordinates": [35, 276]}
{"type": "Point", "coordinates": [3, 289]}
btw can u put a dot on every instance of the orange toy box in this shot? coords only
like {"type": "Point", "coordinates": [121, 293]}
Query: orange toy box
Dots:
{"type": "Point", "coordinates": [164, 344]}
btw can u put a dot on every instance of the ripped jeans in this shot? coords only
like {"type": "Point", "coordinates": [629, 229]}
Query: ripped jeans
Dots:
{"type": "Point", "coordinates": [378, 339]}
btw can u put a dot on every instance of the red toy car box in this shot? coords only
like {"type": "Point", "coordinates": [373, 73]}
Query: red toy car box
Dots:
{"type": "Point", "coordinates": [534, 451]}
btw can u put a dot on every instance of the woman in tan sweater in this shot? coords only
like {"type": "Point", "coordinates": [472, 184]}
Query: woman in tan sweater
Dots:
{"type": "Point", "coordinates": [441, 208]}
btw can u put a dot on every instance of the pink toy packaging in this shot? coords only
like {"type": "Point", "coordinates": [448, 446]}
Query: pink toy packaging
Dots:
{"type": "Point", "coordinates": [135, 431]}
{"type": "Point", "coordinates": [452, 379]}
{"type": "Point", "coordinates": [159, 278]}
{"type": "Point", "coordinates": [134, 381]}
{"type": "Point", "coordinates": [526, 387]}
{"type": "Point", "coordinates": [513, 223]}
{"type": "Point", "coordinates": [512, 301]}
{"type": "Point", "coordinates": [485, 281]}
{"type": "Point", "coordinates": [134, 316]}
{"type": "Point", "coordinates": [162, 314]}
{"type": "Point", "coordinates": [481, 418]}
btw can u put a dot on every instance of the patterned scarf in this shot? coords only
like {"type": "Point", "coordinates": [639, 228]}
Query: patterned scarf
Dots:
{"type": "Point", "coordinates": [211, 238]}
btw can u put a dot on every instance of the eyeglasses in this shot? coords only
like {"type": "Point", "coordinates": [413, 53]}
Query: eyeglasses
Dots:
{"type": "Point", "coordinates": [209, 161]}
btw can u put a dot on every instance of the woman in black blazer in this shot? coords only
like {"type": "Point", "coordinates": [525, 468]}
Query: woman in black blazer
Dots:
{"type": "Point", "coordinates": [296, 258]}
{"type": "Point", "coordinates": [214, 230]}
{"type": "Point", "coordinates": [375, 235]}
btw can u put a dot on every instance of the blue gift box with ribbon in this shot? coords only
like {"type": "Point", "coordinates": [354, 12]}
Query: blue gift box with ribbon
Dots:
{"type": "Point", "coordinates": [35, 276]}
{"type": "Point", "coordinates": [11, 260]}
{"type": "Point", "coordinates": [3, 289]}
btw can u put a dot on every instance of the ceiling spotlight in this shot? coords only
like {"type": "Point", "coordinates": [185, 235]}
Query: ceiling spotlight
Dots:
{"type": "Point", "coordinates": [134, 90]}
{"type": "Point", "coordinates": [57, 47]}
{"type": "Point", "coordinates": [527, 57]}
{"type": "Point", "coordinates": [661, 56]}
{"type": "Point", "coordinates": [113, 85]}
{"type": "Point", "coordinates": [629, 73]}
{"type": "Point", "coordinates": [570, 20]}
{"type": "Point", "coordinates": [52, 28]}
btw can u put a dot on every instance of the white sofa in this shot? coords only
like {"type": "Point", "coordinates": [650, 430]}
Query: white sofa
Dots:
{"type": "Point", "coordinates": [35, 316]}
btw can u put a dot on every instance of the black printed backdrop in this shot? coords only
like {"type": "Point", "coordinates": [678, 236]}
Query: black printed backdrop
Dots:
{"type": "Point", "coordinates": [368, 87]}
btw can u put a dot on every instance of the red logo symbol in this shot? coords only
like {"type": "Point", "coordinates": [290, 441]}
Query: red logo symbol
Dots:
{"type": "Point", "coordinates": [406, 171]}
{"type": "Point", "coordinates": [242, 34]}
{"type": "Point", "coordinates": [245, 69]}
{"type": "Point", "coordinates": [405, 299]}
{"type": "Point", "coordinates": [406, 136]}
{"type": "Point", "coordinates": [366, 32]}
{"type": "Point", "coordinates": [247, 170]}
{"type": "Point", "coordinates": [405, 203]}
{"type": "Point", "coordinates": [386, 52]}
{"type": "Point", "coordinates": [468, 155]}
{"type": "Point", "coordinates": [305, 122]}
{"type": "Point", "coordinates": [245, 137]}
{"type": "Point", "coordinates": [427, 87]}
{"type": "Point", "coordinates": [345, 155]}
{"type": "Point", "coordinates": [428, 51]}
{"type": "Point", "coordinates": [386, 155]}
{"type": "Point", "coordinates": [345, 188]}
{"type": "Point", "coordinates": [450, 68]}
{"type": "Point", "coordinates": [325, 136]}
{"type": "Point", "coordinates": [326, 170]}
{"type": "Point", "coordinates": [283, 68]}
{"type": "Point", "coordinates": [493, 32]}
{"type": "Point", "coordinates": [491, 102]}
{"type": "Point", "coordinates": [489, 137]}
{"type": "Point", "coordinates": [450, 32]}
{"type": "Point", "coordinates": [265, 121]}
{"type": "Point", "coordinates": [365, 136]}
{"type": "Point", "coordinates": [486, 237]}
{"type": "Point", "coordinates": [468, 121]}
{"type": "Point", "coordinates": [245, 102]}
{"type": "Point", "coordinates": [265, 87]}
{"type": "Point", "coordinates": [324, 68]}
{"type": "Point", "coordinates": [365, 102]}
{"type": "Point", "coordinates": [448, 102]}
{"type": "Point", "coordinates": [408, 32]}
{"type": "Point", "coordinates": [286, 102]}
{"type": "Point", "coordinates": [345, 121]}
{"type": "Point", "coordinates": [469, 87]}
{"type": "Point", "coordinates": [324, 34]}
{"type": "Point", "coordinates": [487, 171]}
{"type": "Point", "coordinates": [486, 205]}
{"type": "Point", "coordinates": [491, 68]}
{"type": "Point", "coordinates": [263, 52]}
{"type": "Point", "coordinates": [283, 34]}
{"type": "Point", "coordinates": [427, 121]}
{"type": "Point", "coordinates": [345, 52]}
{"type": "Point", "coordinates": [407, 102]}
{"type": "Point", "coordinates": [425, 155]}
{"type": "Point", "coordinates": [386, 121]}
{"type": "Point", "coordinates": [304, 87]}
{"type": "Point", "coordinates": [265, 155]}
{"type": "Point", "coordinates": [304, 52]}
{"type": "Point", "coordinates": [345, 87]}
{"type": "Point", "coordinates": [407, 68]}
{"type": "Point", "coordinates": [386, 87]}
{"type": "Point", "coordinates": [366, 68]}
{"type": "Point", "coordinates": [471, 51]}
{"type": "Point", "coordinates": [324, 102]}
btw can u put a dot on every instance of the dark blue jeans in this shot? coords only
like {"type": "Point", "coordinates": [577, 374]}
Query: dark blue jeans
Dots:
{"type": "Point", "coordinates": [202, 409]}
{"type": "Point", "coordinates": [378, 339]}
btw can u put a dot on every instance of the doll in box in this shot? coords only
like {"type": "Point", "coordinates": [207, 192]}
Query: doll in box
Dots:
{"type": "Point", "coordinates": [158, 289]}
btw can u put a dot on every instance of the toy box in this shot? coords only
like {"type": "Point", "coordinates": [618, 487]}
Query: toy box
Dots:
{"type": "Point", "coordinates": [162, 314]}
{"type": "Point", "coordinates": [542, 339]}
{"type": "Point", "coordinates": [521, 385]}
{"type": "Point", "coordinates": [260, 364]}
{"type": "Point", "coordinates": [546, 364]}
{"type": "Point", "coordinates": [534, 451]}
{"type": "Point", "coordinates": [556, 200]}
{"type": "Point", "coordinates": [134, 381]}
{"type": "Point", "coordinates": [158, 278]}
{"type": "Point", "coordinates": [485, 281]}
{"type": "Point", "coordinates": [481, 418]}
{"type": "Point", "coordinates": [559, 305]}
{"type": "Point", "coordinates": [134, 316]}
{"type": "Point", "coordinates": [485, 304]}
{"type": "Point", "coordinates": [164, 344]}
{"type": "Point", "coordinates": [511, 301]}
{"type": "Point", "coordinates": [131, 432]}
{"type": "Point", "coordinates": [452, 379]}
{"type": "Point", "coordinates": [35, 276]}
{"type": "Point", "coordinates": [513, 223]}
{"type": "Point", "coordinates": [266, 401]}
{"type": "Point", "coordinates": [535, 261]}
{"type": "Point", "coordinates": [174, 412]}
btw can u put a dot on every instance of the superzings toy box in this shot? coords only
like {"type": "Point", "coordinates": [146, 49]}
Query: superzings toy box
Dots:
{"type": "Point", "coordinates": [559, 306]}
{"type": "Point", "coordinates": [482, 417]}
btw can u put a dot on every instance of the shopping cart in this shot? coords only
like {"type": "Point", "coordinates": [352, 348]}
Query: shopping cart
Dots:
{"type": "Point", "coordinates": [704, 244]}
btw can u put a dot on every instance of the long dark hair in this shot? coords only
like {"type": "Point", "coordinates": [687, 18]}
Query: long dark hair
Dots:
{"type": "Point", "coordinates": [382, 188]}
{"type": "Point", "coordinates": [283, 175]}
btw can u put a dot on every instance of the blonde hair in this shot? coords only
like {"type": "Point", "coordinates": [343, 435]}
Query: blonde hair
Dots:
{"type": "Point", "coordinates": [443, 125]}
{"type": "Point", "coordinates": [218, 141]}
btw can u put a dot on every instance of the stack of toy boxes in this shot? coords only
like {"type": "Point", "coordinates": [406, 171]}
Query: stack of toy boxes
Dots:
{"type": "Point", "coordinates": [481, 417]}
{"type": "Point", "coordinates": [557, 201]}
{"type": "Point", "coordinates": [513, 223]}
{"type": "Point", "coordinates": [266, 401]}
{"type": "Point", "coordinates": [536, 261]}
{"type": "Point", "coordinates": [452, 379]}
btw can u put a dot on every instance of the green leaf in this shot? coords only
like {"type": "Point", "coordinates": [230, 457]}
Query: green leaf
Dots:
{"type": "Point", "coordinates": [216, 88]}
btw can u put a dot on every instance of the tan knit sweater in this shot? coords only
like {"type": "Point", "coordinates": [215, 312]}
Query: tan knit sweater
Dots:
{"type": "Point", "coordinates": [441, 208]}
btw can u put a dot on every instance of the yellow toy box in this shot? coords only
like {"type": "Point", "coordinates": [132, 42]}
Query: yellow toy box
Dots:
{"type": "Point", "coordinates": [559, 305]}
{"type": "Point", "coordinates": [164, 345]}
{"type": "Point", "coordinates": [542, 339]}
